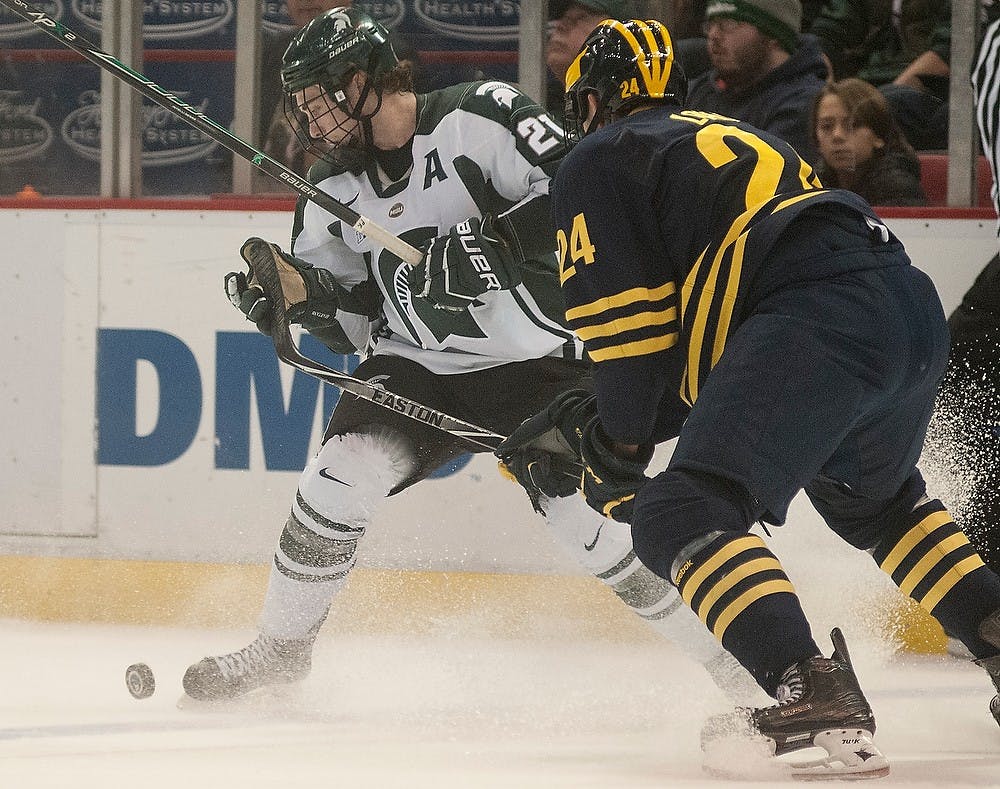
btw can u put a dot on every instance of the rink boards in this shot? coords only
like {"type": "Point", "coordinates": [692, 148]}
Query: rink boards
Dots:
{"type": "Point", "coordinates": [152, 442]}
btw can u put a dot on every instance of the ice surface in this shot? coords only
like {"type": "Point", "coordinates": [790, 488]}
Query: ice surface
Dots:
{"type": "Point", "coordinates": [452, 708]}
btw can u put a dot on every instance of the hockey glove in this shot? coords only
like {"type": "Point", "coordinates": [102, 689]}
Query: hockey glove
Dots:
{"type": "Point", "coordinates": [462, 266]}
{"type": "Point", "coordinates": [543, 453]}
{"type": "Point", "coordinates": [610, 482]}
{"type": "Point", "coordinates": [311, 294]}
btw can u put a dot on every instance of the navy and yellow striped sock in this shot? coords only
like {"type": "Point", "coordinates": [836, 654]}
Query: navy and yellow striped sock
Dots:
{"type": "Point", "coordinates": [739, 589]}
{"type": "Point", "coordinates": [931, 560]}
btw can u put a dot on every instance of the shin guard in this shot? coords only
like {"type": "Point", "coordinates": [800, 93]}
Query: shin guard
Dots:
{"type": "Point", "coordinates": [604, 547]}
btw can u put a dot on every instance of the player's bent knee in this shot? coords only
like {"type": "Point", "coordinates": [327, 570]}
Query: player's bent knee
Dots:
{"type": "Point", "coordinates": [352, 472]}
{"type": "Point", "coordinates": [863, 521]}
{"type": "Point", "coordinates": [680, 507]}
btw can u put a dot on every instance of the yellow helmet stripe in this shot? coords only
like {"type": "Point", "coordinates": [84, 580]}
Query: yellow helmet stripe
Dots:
{"type": "Point", "coordinates": [654, 78]}
{"type": "Point", "coordinates": [573, 72]}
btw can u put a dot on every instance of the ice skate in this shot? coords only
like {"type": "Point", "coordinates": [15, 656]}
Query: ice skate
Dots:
{"type": "Point", "coordinates": [265, 661]}
{"type": "Point", "coordinates": [989, 631]}
{"type": "Point", "coordinates": [821, 706]}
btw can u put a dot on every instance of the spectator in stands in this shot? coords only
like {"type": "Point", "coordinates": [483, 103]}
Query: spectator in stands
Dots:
{"type": "Point", "coordinates": [688, 33]}
{"type": "Point", "coordinates": [860, 146]}
{"type": "Point", "coordinates": [570, 22]}
{"type": "Point", "coordinates": [763, 71]}
{"type": "Point", "coordinates": [905, 53]}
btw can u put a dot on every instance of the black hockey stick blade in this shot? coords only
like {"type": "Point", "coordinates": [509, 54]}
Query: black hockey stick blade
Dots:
{"type": "Point", "coordinates": [265, 269]}
{"type": "Point", "coordinates": [220, 134]}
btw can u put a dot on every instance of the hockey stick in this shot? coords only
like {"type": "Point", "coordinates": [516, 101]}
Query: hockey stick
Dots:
{"type": "Point", "coordinates": [220, 134]}
{"type": "Point", "coordinates": [265, 270]}
{"type": "Point", "coordinates": [264, 264]}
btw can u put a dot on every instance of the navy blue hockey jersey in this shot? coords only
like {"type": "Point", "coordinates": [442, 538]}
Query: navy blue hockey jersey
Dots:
{"type": "Point", "coordinates": [664, 221]}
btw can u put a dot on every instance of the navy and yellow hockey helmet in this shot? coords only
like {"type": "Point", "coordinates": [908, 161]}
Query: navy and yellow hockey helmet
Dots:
{"type": "Point", "coordinates": [623, 64]}
{"type": "Point", "coordinates": [329, 49]}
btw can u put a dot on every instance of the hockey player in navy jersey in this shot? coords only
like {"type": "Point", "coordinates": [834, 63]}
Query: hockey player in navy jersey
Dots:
{"type": "Point", "coordinates": [778, 330]}
{"type": "Point", "coordinates": [475, 330]}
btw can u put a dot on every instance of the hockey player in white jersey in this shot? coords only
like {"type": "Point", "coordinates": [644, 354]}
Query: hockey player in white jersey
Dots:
{"type": "Point", "coordinates": [475, 330]}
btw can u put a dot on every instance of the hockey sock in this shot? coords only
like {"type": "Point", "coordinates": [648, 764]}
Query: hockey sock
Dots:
{"type": "Point", "coordinates": [604, 547]}
{"type": "Point", "coordinates": [930, 559]}
{"type": "Point", "coordinates": [337, 495]}
{"type": "Point", "coordinates": [739, 589]}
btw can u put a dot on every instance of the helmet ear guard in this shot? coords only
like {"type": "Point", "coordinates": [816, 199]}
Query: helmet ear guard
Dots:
{"type": "Point", "coordinates": [624, 64]}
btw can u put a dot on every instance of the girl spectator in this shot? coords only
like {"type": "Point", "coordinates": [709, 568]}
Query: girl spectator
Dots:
{"type": "Point", "coordinates": [861, 147]}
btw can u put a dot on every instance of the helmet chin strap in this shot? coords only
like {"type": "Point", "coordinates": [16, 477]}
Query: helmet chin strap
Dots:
{"type": "Point", "coordinates": [358, 114]}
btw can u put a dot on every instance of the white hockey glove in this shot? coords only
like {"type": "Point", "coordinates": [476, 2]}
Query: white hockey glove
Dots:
{"type": "Point", "coordinates": [462, 266]}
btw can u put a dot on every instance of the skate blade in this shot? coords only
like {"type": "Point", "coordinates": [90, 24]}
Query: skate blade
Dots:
{"type": "Point", "coordinates": [842, 755]}
{"type": "Point", "coordinates": [851, 754]}
{"type": "Point", "coordinates": [191, 704]}
{"type": "Point", "coordinates": [255, 701]}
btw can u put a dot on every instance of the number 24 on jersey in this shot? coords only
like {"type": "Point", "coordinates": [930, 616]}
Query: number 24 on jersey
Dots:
{"type": "Point", "coordinates": [574, 249]}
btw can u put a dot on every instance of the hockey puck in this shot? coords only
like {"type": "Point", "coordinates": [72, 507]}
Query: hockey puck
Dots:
{"type": "Point", "coordinates": [139, 680]}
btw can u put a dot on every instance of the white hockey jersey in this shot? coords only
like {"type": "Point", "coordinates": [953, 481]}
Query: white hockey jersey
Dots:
{"type": "Point", "coordinates": [479, 148]}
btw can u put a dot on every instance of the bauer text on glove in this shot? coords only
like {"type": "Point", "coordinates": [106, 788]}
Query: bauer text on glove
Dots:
{"type": "Point", "coordinates": [458, 268]}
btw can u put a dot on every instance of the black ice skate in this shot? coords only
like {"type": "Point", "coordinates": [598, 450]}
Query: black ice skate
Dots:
{"type": "Point", "coordinates": [820, 705]}
{"type": "Point", "coordinates": [265, 661]}
{"type": "Point", "coordinates": [989, 631]}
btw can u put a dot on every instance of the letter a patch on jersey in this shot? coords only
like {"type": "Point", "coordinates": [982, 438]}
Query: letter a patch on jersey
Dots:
{"type": "Point", "coordinates": [434, 170]}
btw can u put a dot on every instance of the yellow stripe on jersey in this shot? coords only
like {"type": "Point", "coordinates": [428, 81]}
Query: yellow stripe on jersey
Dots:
{"type": "Point", "coordinates": [703, 308]}
{"type": "Point", "coordinates": [632, 323]}
{"type": "Point", "coordinates": [729, 299]}
{"type": "Point", "coordinates": [808, 176]}
{"type": "Point", "coordinates": [635, 322]}
{"type": "Point", "coordinates": [623, 299]}
{"type": "Point", "coordinates": [638, 348]}
{"type": "Point", "coordinates": [715, 297]}
{"type": "Point", "coordinates": [797, 199]}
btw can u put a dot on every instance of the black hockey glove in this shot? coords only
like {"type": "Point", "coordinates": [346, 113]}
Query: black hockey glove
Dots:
{"type": "Point", "coordinates": [543, 453]}
{"type": "Point", "coordinates": [462, 266]}
{"type": "Point", "coordinates": [609, 482]}
{"type": "Point", "coordinates": [311, 294]}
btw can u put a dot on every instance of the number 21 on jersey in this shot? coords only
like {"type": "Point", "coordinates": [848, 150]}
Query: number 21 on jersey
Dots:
{"type": "Point", "coordinates": [574, 249]}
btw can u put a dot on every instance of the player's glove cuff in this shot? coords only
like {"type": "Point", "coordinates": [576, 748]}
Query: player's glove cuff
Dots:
{"type": "Point", "coordinates": [543, 452]}
{"type": "Point", "coordinates": [312, 295]}
{"type": "Point", "coordinates": [610, 483]}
